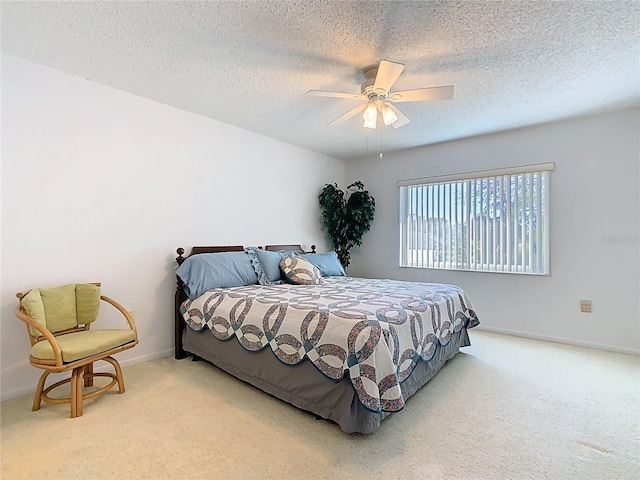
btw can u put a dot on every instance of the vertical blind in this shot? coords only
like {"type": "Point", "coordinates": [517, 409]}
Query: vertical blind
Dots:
{"type": "Point", "coordinates": [495, 220]}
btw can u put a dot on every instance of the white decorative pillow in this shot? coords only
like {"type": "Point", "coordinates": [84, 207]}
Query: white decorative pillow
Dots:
{"type": "Point", "coordinates": [300, 271]}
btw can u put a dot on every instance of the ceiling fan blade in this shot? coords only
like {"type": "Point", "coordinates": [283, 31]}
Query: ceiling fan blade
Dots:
{"type": "Point", "coordinates": [402, 120]}
{"type": "Point", "coordinates": [323, 93]}
{"type": "Point", "coordinates": [354, 111]}
{"type": "Point", "coordinates": [423, 94]}
{"type": "Point", "coordinates": [388, 73]}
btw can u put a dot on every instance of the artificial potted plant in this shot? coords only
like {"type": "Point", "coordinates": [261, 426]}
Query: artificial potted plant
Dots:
{"type": "Point", "coordinates": [347, 216]}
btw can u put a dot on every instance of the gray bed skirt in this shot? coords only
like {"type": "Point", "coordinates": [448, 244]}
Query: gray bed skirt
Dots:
{"type": "Point", "coordinates": [303, 385]}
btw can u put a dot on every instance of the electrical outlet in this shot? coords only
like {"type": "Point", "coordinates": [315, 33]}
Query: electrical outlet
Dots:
{"type": "Point", "coordinates": [585, 306]}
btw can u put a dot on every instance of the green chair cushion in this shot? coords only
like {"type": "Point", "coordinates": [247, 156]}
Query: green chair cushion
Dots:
{"type": "Point", "coordinates": [61, 308]}
{"type": "Point", "coordinates": [87, 302]}
{"type": "Point", "coordinates": [32, 303]}
{"type": "Point", "coordinates": [79, 345]}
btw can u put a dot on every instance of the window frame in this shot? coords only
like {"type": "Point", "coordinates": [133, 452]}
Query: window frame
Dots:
{"type": "Point", "coordinates": [532, 183]}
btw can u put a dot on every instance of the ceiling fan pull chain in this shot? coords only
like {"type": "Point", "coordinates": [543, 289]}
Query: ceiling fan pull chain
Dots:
{"type": "Point", "coordinates": [381, 156]}
{"type": "Point", "coordinates": [367, 138]}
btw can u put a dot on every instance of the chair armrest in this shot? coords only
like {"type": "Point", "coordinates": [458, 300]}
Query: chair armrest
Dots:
{"type": "Point", "coordinates": [123, 311]}
{"type": "Point", "coordinates": [48, 336]}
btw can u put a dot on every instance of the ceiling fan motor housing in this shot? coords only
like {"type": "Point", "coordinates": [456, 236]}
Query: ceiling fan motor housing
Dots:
{"type": "Point", "coordinates": [367, 85]}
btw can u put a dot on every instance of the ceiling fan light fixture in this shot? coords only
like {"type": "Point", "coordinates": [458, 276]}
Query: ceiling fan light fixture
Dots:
{"type": "Point", "coordinates": [370, 116]}
{"type": "Point", "coordinates": [388, 115]}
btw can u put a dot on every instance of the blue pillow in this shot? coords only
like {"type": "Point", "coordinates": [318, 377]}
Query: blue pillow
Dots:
{"type": "Point", "coordinates": [206, 271]}
{"type": "Point", "coordinates": [327, 263]}
{"type": "Point", "coordinates": [267, 264]}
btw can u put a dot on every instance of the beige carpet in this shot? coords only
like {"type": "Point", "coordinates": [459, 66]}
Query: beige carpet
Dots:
{"type": "Point", "coordinates": [507, 408]}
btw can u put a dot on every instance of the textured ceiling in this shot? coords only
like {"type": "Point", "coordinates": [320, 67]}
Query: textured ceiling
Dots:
{"type": "Point", "coordinates": [249, 63]}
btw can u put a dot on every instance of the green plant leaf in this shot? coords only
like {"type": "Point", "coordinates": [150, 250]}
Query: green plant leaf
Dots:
{"type": "Point", "coordinates": [347, 216]}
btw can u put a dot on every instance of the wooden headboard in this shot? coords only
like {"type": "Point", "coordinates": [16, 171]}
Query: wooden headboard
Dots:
{"type": "Point", "coordinates": [294, 248]}
{"type": "Point", "coordinates": [237, 248]}
{"type": "Point", "coordinates": [181, 296]}
{"type": "Point", "coordinates": [207, 249]}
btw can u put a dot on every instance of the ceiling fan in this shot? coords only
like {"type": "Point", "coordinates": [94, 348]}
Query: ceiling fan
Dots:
{"type": "Point", "coordinates": [377, 95]}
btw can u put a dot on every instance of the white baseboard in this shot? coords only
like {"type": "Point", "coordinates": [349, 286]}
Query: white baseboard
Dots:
{"type": "Point", "coordinates": [146, 358]}
{"type": "Point", "coordinates": [100, 367]}
{"type": "Point", "coordinates": [566, 341]}
{"type": "Point", "coordinates": [18, 392]}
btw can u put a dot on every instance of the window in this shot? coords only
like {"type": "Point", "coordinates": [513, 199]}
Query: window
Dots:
{"type": "Point", "coordinates": [491, 221]}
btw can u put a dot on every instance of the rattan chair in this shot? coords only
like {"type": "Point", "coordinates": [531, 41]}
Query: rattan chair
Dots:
{"type": "Point", "coordinates": [58, 321]}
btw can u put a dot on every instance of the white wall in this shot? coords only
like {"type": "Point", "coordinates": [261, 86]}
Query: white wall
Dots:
{"type": "Point", "coordinates": [594, 197]}
{"type": "Point", "coordinates": [101, 185]}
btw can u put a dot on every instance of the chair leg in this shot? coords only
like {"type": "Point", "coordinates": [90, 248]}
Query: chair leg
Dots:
{"type": "Point", "coordinates": [118, 370]}
{"type": "Point", "coordinates": [73, 397]}
{"type": "Point", "coordinates": [37, 400]}
{"type": "Point", "coordinates": [81, 377]}
{"type": "Point", "coordinates": [80, 391]}
{"type": "Point", "coordinates": [88, 375]}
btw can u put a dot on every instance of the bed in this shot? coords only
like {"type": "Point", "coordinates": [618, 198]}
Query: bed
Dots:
{"type": "Point", "coordinates": [349, 350]}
